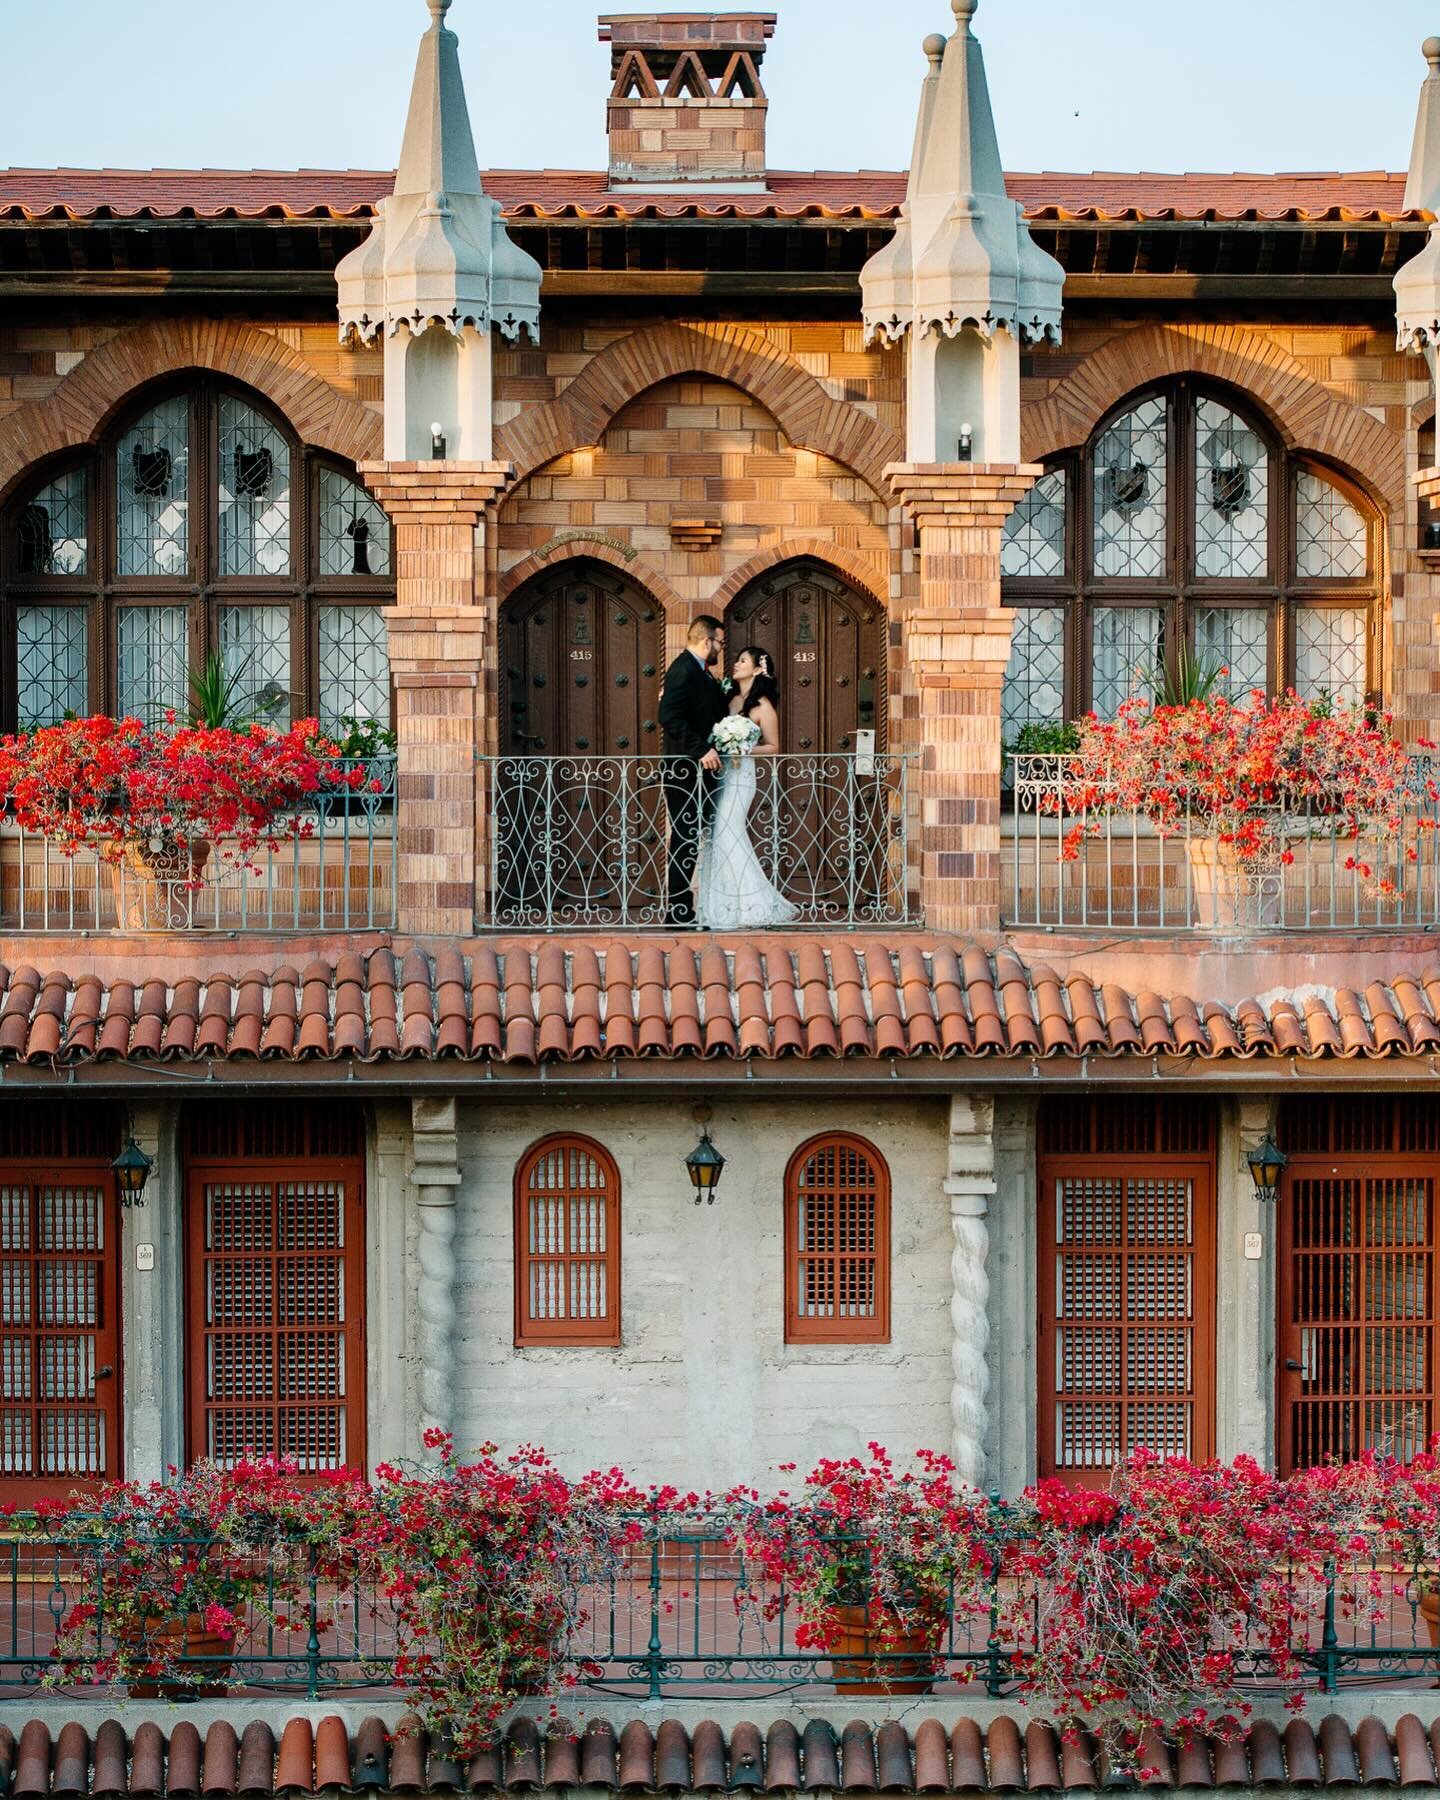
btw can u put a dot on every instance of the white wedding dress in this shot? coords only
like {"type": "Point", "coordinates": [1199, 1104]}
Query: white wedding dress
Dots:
{"type": "Point", "coordinates": [733, 892]}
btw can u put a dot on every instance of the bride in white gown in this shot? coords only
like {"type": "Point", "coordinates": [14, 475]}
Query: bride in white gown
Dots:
{"type": "Point", "coordinates": [733, 892]}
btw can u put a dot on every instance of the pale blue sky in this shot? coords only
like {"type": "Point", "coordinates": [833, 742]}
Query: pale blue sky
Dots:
{"type": "Point", "coordinates": [1108, 84]}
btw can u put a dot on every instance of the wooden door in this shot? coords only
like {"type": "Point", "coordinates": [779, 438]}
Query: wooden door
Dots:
{"type": "Point", "coordinates": [580, 647]}
{"type": "Point", "coordinates": [1356, 1307]}
{"type": "Point", "coordinates": [275, 1225]}
{"type": "Point", "coordinates": [1126, 1286]}
{"type": "Point", "coordinates": [59, 1328]}
{"type": "Point", "coordinates": [826, 645]}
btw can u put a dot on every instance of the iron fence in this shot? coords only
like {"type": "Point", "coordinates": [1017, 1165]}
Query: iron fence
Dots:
{"type": "Point", "coordinates": [683, 1616]}
{"type": "Point", "coordinates": [1076, 860]}
{"type": "Point", "coordinates": [577, 841]}
{"type": "Point", "coordinates": [334, 871]}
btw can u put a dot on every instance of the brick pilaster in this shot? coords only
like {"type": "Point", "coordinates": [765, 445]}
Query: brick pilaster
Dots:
{"type": "Point", "coordinates": [437, 647]}
{"type": "Point", "coordinates": [954, 647]}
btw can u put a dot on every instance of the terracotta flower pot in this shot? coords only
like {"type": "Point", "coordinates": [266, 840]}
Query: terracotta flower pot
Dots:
{"type": "Point", "coordinates": [169, 1640]}
{"type": "Point", "coordinates": [1430, 1613]}
{"type": "Point", "coordinates": [888, 1660]}
{"type": "Point", "coordinates": [152, 887]}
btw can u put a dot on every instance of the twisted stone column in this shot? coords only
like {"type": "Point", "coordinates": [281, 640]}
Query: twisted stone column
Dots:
{"type": "Point", "coordinates": [436, 1174]}
{"type": "Point", "coordinates": [969, 1185]}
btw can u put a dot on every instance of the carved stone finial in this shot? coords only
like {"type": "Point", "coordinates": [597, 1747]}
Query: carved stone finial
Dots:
{"type": "Point", "coordinates": [1430, 50]}
{"type": "Point", "coordinates": [964, 11]}
{"type": "Point", "coordinates": [438, 10]}
{"type": "Point", "coordinates": [934, 48]}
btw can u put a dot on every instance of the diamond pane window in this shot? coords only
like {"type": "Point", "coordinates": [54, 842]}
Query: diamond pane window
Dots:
{"type": "Point", "coordinates": [1331, 542]}
{"type": "Point", "coordinates": [1232, 500]}
{"type": "Point", "coordinates": [51, 535]}
{"type": "Point", "coordinates": [1035, 680]}
{"type": "Point", "coordinates": [153, 674]}
{"type": "Point", "coordinates": [152, 469]}
{"type": "Point", "coordinates": [52, 663]}
{"type": "Point", "coordinates": [354, 530]}
{"type": "Point", "coordinates": [254, 493]}
{"type": "Point", "coordinates": [255, 642]}
{"type": "Point", "coordinates": [1330, 653]}
{"type": "Point", "coordinates": [1127, 655]}
{"type": "Point", "coordinates": [1034, 543]}
{"type": "Point", "coordinates": [1235, 639]}
{"type": "Point", "coordinates": [1130, 494]}
{"type": "Point", "coordinates": [354, 664]}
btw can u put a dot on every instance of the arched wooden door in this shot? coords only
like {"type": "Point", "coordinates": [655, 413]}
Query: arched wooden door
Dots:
{"type": "Point", "coordinates": [827, 647]}
{"type": "Point", "coordinates": [580, 647]}
{"type": "Point", "coordinates": [579, 812]}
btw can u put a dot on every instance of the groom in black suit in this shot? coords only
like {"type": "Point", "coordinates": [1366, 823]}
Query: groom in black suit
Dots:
{"type": "Point", "coordinates": [692, 703]}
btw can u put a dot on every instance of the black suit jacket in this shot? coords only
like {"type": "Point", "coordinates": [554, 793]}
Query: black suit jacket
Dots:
{"type": "Point", "coordinates": [692, 703]}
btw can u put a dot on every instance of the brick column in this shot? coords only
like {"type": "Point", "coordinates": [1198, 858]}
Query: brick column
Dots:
{"type": "Point", "coordinates": [437, 644]}
{"type": "Point", "coordinates": [954, 647]}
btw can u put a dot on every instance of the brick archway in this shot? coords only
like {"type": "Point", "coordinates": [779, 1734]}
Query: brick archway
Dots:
{"type": "Point", "coordinates": [1308, 416]}
{"type": "Point", "coordinates": [808, 416]}
{"type": "Point", "coordinates": [84, 401]}
{"type": "Point", "coordinates": [862, 570]}
{"type": "Point", "coordinates": [674, 610]}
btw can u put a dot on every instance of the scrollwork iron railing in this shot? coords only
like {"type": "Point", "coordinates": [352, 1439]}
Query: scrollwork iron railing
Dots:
{"type": "Point", "coordinates": [577, 841]}
{"type": "Point", "coordinates": [683, 1614]}
{"type": "Point", "coordinates": [1074, 861]}
{"type": "Point", "coordinates": [336, 871]}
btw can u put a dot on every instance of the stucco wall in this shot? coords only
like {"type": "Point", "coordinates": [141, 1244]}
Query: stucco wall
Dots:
{"type": "Point", "coordinates": [703, 1390]}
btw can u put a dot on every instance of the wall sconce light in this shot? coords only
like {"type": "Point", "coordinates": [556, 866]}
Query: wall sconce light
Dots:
{"type": "Point", "coordinates": [437, 442]}
{"type": "Point", "coordinates": [967, 443]}
{"type": "Point", "coordinates": [704, 1164]}
{"type": "Point", "coordinates": [132, 1170]}
{"type": "Point", "coordinates": [1267, 1164]}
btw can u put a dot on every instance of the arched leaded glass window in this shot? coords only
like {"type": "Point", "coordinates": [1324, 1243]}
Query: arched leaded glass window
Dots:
{"type": "Point", "coordinates": [199, 526]}
{"type": "Point", "coordinates": [1184, 522]}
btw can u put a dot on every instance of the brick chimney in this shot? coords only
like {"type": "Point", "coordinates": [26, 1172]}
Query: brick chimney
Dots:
{"type": "Point", "coordinates": [687, 109]}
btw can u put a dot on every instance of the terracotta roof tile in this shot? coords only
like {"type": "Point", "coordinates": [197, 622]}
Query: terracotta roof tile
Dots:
{"type": "Point", "coordinates": [767, 998]}
{"type": "Point", "coordinates": [1412, 1753]}
{"type": "Point", "coordinates": [859, 194]}
{"type": "Point", "coordinates": [822, 1756]}
{"type": "Point", "coordinates": [1006, 1756]}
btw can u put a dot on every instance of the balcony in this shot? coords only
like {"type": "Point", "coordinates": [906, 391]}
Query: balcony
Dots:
{"type": "Point", "coordinates": [584, 841]}
{"type": "Point", "coordinates": [1074, 865]}
{"type": "Point", "coordinates": [669, 1627]}
{"type": "Point", "coordinates": [336, 872]}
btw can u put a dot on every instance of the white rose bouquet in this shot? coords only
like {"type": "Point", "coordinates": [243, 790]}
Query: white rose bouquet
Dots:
{"type": "Point", "coordinates": [735, 735]}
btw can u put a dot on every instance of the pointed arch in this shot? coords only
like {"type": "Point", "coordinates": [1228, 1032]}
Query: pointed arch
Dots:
{"type": "Point", "coordinates": [866, 574]}
{"type": "Point", "coordinates": [82, 404]}
{"type": "Point", "coordinates": [1308, 416]}
{"type": "Point", "coordinates": [643, 574]}
{"type": "Point", "coordinates": [810, 418]}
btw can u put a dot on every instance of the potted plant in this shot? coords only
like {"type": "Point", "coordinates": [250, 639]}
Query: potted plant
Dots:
{"type": "Point", "coordinates": [366, 749]}
{"type": "Point", "coordinates": [870, 1564]}
{"type": "Point", "coordinates": [1241, 785]}
{"type": "Point", "coordinates": [155, 803]}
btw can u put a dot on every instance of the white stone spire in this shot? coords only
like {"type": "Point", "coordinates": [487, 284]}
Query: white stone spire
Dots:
{"type": "Point", "coordinates": [1417, 286]}
{"type": "Point", "coordinates": [438, 271]}
{"type": "Point", "coordinates": [961, 265]}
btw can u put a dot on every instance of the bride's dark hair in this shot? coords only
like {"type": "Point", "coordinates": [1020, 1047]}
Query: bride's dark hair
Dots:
{"type": "Point", "coordinates": [764, 686]}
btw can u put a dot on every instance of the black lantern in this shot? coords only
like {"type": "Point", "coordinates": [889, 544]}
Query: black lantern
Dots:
{"type": "Point", "coordinates": [132, 1170]}
{"type": "Point", "coordinates": [1267, 1164]}
{"type": "Point", "coordinates": [705, 1164]}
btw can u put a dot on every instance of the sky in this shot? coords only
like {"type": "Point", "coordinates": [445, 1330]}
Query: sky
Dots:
{"type": "Point", "coordinates": [1077, 84]}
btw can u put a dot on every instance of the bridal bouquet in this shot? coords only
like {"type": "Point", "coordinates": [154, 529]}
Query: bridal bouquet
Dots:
{"type": "Point", "coordinates": [735, 735]}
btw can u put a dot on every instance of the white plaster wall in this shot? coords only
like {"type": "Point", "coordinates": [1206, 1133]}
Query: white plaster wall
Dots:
{"type": "Point", "coordinates": [703, 1390]}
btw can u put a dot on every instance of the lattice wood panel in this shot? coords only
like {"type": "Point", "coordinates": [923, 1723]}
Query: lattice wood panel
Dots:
{"type": "Point", "coordinates": [837, 1243]}
{"type": "Point", "coordinates": [59, 1332]}
{"type": "Point", "coordinates": [276, 1260]}
{"type": "Point", "coordinates": [1127, 1311]}
{"type": "Point", "coordinates": [1356, 1309]}
{"type": "Point", "coordinates": [567, 1244]}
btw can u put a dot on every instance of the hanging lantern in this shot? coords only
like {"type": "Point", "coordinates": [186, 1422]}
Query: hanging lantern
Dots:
{"type": "Point", "coordinates": [705, 1165]}
{"type": "Point", "coordinates": [132, 1170]}
{"type": "Point", "coordinates": [1267, 1164]}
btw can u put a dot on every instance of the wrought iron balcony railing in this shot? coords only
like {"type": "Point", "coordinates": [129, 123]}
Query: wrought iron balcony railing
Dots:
{"type": "Point", "coordinates": [1072, 861]}
{"type": "Point", "coordinates": [669, 1624]}
{"type": "Point", "coordinates": [336, 873]}
{"type": "Point", "coordinates": [582, 841]}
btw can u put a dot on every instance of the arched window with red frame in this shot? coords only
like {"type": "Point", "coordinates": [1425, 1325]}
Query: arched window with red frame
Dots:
{"type": "Point", "coordinates": [837, 1243]}
{"type": "Point", "coordinates": [567, 1244]}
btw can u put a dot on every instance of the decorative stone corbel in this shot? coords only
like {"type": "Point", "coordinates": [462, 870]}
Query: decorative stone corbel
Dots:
{"type": "Point", "coordinates": [435, 1171]}
{"type": "Point", "coordinates": [969, 1185]}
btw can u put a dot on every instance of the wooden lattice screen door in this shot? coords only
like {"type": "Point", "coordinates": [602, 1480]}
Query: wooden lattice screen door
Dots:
{"type": "Point", "coordinates": [1126, 1287]}
{"type": "Point", "coordinates": [1356, 1307]}
{"type": "Point", "coordinates": [59, 1326]}
{"type": "Point", "coordinates": [275, 1274]}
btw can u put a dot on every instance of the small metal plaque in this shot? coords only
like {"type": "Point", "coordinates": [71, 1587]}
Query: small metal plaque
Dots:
{"type": "Point", "coordinates": [145, 1257]}
{"type": "Point", "coordinates": [1254, 1246]}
